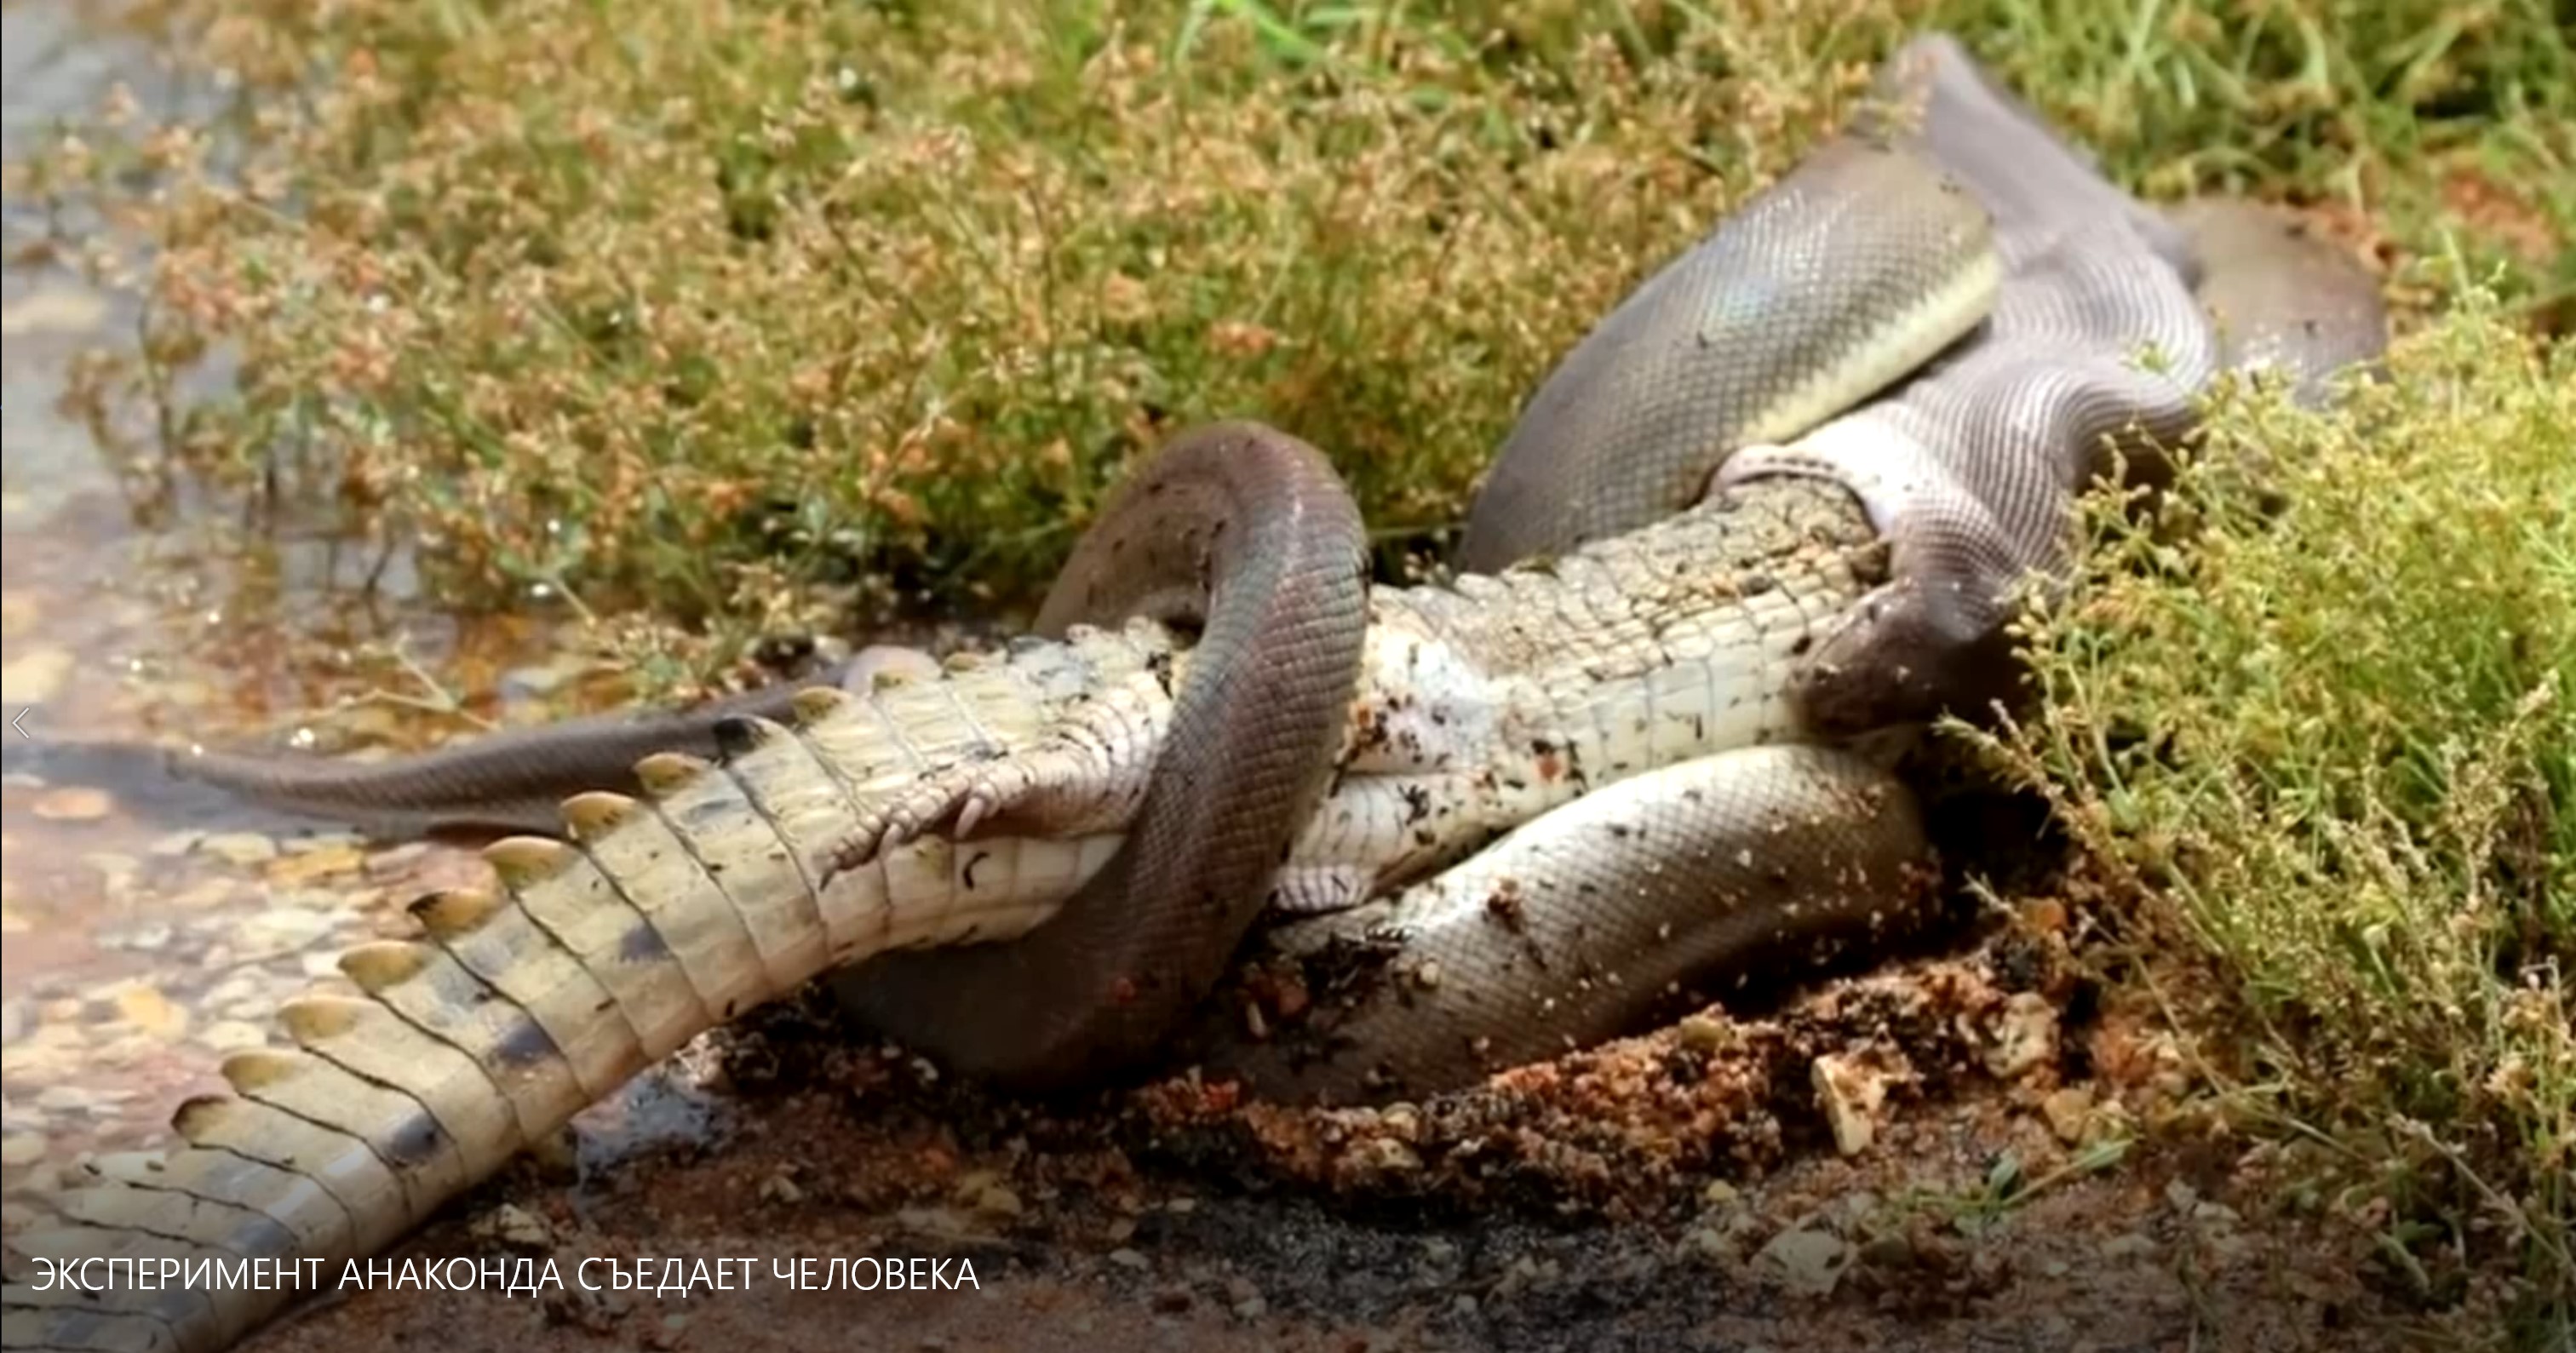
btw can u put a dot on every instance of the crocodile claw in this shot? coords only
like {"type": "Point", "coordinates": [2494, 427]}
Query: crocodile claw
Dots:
{"type": "Point", "coordinates": [955, 800]}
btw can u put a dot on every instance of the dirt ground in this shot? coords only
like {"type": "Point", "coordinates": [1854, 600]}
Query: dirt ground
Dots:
{"type": "Point", "coordinates": [1681, 1191]}
{"type": "Point", "coordinates": [1941, 1154]}
{"type": "Point", "coordinates": [1926, 1158]}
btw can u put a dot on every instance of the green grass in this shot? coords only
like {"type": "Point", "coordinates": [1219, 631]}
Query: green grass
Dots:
{"type": "Point", "coordinates": [763, 316]}
{"type": "Point", "coordinates": [723, 319]}
{"type": "Point", "coordinates": [2321, 763]}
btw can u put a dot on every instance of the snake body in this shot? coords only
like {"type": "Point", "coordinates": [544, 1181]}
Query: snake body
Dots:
{"type": "Point", "coordinates": [1847, 274]}
{"type": "Point", "coordinates": [1947, 251]}
{"type": "Point", "coordinates": [1949, 241]}
{"type": "Point", "coordinates": [1250, 536]}
{"type": "Point", "coordinates": [1571, 930]}
{"type": "Point", "coordinates": [1709, 353]}
{"type": "Point", "coordinates": [1947, 210]}
{"type": "Point", "coordinates": [1948, 255]}
{"type": "Point", "coordinates": [1639, 900]}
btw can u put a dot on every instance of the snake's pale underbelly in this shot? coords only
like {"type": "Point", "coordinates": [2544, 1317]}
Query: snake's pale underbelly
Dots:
{"type": "Point", "coordinates": [1555, 795]}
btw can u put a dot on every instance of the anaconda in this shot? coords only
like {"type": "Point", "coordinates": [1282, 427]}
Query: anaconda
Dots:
{"type": "Point", "coordinates": [1615, 742]}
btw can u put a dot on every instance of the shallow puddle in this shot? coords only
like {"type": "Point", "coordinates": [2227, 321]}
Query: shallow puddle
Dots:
{"type": "Point", "coordinates": [151, 928]}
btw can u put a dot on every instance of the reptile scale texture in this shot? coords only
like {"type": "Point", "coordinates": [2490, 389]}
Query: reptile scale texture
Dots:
{"type": "Point", "coordinates": [1604, 768]}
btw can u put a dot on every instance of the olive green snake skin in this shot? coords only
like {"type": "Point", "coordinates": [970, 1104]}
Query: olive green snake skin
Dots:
{"type": "Point", "coordinates": [1709, 482]}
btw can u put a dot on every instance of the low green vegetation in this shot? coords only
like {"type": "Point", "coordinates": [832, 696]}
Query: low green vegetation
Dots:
{"type": "Point", "coordinates": [730, 318]}
{"type": "Point", "coordinates": [760, 316]}
{"type": "Point", "coordinates": [2321, 763]}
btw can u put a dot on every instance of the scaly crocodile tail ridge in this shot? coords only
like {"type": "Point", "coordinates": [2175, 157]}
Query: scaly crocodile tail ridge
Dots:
{"type": "Point", "coordinates": [593, 957]}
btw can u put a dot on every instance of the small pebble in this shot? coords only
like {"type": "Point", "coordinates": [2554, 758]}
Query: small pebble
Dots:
{"type": "Point", "coordinates": [310, 866]}
{"type": "Point", "coordinates": [1809, 1263]}
{"type": "Point", "coordinates": [1851, 1094]}
{"type": "Point", "coordinates": [2129, 1246]}
{"type": "Point", "coordinates": [152, 1012]}
{"type": "Point", "coordinates": [1888, 1251]}
{"type": "Point", "coordinates": [542, 680]}
{"type": "Point", "coordinates": [1709, 1245]}
{"type": "Point", "coordinates": [1389, 1155]}
{"type": "Point", "coordinates": [283, 928]}
{"type": "Point", "coordinates": [2025, 1036]}
{"type": "Point", "coordinates": [74, 803]}
{"type": "Point", "coordinates": [176, 843]}
{"type": "Point", "coordinates": [231, 990]}
{"type": "Point", "coordinates": [239, 847]}
{"type": "Point", "coordinates": [1703, 1033]}
{"type": "Point", "coordinates": [2068, 1111]}
{"type": "Point", "coordinates": [231, 1035]}
{"type": "Point", "coordinates": [36, 676]}
{"type": "Point", "coordinates": [515, 1225]}
{"type": "Point", "coordinates": [141, 939]}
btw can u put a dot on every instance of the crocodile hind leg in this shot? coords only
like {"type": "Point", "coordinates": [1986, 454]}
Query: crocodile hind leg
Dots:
{"type": "Point", "coordinates": [1585, 922]}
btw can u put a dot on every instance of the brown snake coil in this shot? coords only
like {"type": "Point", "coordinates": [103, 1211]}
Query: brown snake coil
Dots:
{"type": "Point", "coordinates": [665, 912]}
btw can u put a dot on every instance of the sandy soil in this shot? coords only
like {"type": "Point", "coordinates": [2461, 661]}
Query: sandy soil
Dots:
{"type": "Point", "coordinates": [1695, 1189]}
{"type": "Point", "coordinates": [1684, 1190]}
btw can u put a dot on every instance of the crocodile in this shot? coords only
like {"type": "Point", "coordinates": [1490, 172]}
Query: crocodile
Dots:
{"type": "Point", "coordinates": [1578, 783]}
{"type": "Point", "coordinates": [733, 880]}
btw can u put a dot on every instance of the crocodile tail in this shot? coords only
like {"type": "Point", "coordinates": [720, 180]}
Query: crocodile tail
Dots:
{"type": "Point", "coordinates": [519, 1005]}
{"type": "Point", "coordinates": [462, 1048]}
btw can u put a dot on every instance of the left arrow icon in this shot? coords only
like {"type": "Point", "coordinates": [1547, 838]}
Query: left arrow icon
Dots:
{"type": "Point", "coordinates": [18, 723]}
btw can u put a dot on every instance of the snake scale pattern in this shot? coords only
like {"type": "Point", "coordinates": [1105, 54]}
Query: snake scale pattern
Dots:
{"type": "Point", "coordinates": [1777, 500]}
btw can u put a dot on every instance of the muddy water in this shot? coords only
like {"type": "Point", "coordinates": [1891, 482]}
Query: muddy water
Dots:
{"type": "Point", "coordinates": [151, 930]}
